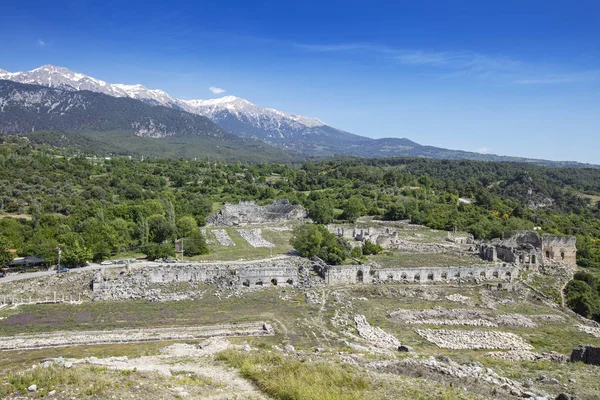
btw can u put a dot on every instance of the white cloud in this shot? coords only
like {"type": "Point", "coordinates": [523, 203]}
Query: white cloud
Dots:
{"type": "Point", "coordinates": [216, 90]}
{"type": "Point", "coordinates": [484, 150]}
{"type": "Point", "coordinates": [462, 60]}
{"type": "Point", "coordinates": [452, 63]}
{"type": "Point", "coordinates": [40, 42]}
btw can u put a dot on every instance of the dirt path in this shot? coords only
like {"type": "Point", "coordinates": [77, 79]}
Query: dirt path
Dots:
{"type": "Point", "coordinates": [185, 358]}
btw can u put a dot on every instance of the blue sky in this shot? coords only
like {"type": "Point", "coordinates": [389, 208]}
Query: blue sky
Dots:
{"type": "Point", "coordinates": [508, 77]}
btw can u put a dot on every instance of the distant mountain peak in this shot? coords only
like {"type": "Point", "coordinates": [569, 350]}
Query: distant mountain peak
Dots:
{"type": "Point", "coordinates": [234, 113]}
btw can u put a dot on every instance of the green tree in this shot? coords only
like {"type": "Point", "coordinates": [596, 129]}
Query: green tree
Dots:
{"type": "Point", "coordinates": [156, 250]}
{"type": "Point", "coordinates": [195, 244]}
{"type": "Point", "coordinates": [354, 208]}
{"type": "Point", "coordinates": [186, 225]}
{"type": "Point", "coordinates": [321, 211]}
{"type": "Point", "coordinates": [307, 239]}
{"type": "Point", "coordinates": [161, 229]}
{"type": "Point", "coordinates": [370, 248]}
{"type": "Point", "coordinates": [5, 256]}
{"type": "Point", "coordinates": [75, 253]}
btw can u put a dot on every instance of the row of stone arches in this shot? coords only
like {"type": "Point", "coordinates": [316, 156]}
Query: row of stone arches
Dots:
{"type": "Point", "coordinates": [444, 276]}
{"type": "Point", "coordinates": [260, 282]}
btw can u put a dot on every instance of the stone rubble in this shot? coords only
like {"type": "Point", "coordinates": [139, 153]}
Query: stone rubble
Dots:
{"type": "Point", "coordinates": [458, 298]}
{"type": "Point", "coordinates": [223, 237]}
{"type": "Point", "coordinates": [594, 331]}
{"type": "Point", "coordinates": [254, 238]}
{"type": "Point", "coordinates": [312, 297]}
{"type": "Point", "coordinates": [375, 335]}
{"type": "Point", "coordinates": [526, 355]}
{"type": "Point", "coordinates": [474, 340]}
{"type": "Point", "coordinates": [548, 318]}
{"type": "Point", "coordinates": [461, 371]}
{"type": "Point", "coordinates": [61, 339]}
{"type": "Point", "coordinates": [443, 316]}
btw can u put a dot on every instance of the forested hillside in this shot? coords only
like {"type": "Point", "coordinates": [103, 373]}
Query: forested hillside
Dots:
{"type": "Point", "coordinates": [98, 207]}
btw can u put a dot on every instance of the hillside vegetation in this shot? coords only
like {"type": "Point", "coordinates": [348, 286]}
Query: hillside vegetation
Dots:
{"type": "Point", "coordinates": [97, 208]}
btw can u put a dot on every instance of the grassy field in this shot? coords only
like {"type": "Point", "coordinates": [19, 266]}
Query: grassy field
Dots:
{"type": "Point", "coordinates": [309, 326]}
{"type": "Point", "coordinates": [391, 259]}
{"type": "Point", "coordinates": [242, 249]}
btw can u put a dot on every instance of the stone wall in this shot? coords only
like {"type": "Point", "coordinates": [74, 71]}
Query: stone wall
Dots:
{"type": "Point", "coordinates": [352, 274]}
{"type": "Point", "coordinates": [348, 274]}
{"type": "Point", "coordinates": [530, 249]}
{"type": "Point", "coordinates": [248, 212]}
{"type": "Point", "coordinates": [559, 249]}
{"type": "Point", "coordinates": [284, 272]}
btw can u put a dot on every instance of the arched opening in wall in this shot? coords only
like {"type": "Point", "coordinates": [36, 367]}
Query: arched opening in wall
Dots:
{"type": "Point", "coordinates": [521, 258]}
{"type": "Point", "coordinates": [258, 283]}
{"type": "Point", "coordinates": [482, 274]}
{"type": "Point", "coordinates": [246, 283]}
{"type": "Point", "coordinates": [495, 274]}
{"type": "Point", "coordinates": [430, 277]}
{"type": "Point", "coordinates": [417, 278]}
{"type": "Point", "coordinates": [290, 281]}
{"type": "Point", "coordinates": [562, 255]}
{"type": "Point", "coordinates": [359, 276]}
{"type": "Point", "coordinates": [547, 254]}
{"type": "Point", "coordinates": [508, 274]}
{"type": "Point", "coordinates": [444, 275]}
{"type": "Point", "coordinates": [274, 282]}
{"type": "Point", "coordinates": [527, 259]}
{"type": "Point", "coordinates": [404, 276]}
{"type": "Point", "coordinates": [533, 260]}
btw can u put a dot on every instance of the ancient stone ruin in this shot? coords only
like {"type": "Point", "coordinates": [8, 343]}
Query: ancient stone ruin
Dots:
{"type": "Point", "coordinates": [530, 249]}
{"type": "Point", "coordinates": [352, 274]}
{"type": "Point", "coordinates": [247, 212]}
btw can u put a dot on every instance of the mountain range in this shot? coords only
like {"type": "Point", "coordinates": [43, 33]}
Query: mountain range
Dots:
{"type": "Point", "coordinates": [63, 100]}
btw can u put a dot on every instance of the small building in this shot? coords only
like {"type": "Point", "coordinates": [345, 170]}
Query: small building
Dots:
{"type": "Point", "coordinates": [28, 262]}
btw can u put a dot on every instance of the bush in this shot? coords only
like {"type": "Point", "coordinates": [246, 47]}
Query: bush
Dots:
{"type": "Point", "coordinates": [315, 240]}
{"type": "Point", "coordinates": [370, 248]}
{"type": "Point", "coordinates": [154, 251]}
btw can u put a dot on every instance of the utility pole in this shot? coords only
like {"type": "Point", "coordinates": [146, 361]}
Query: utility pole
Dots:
{"type": "Point", "coordinates": [58, 264]}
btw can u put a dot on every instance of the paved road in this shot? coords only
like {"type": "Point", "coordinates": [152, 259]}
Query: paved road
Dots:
{"type": "Point", "coordinates": [29, 275]}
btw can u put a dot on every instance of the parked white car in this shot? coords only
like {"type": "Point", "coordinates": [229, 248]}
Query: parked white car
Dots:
{"type": "Point", "coordinates": [106, 262]}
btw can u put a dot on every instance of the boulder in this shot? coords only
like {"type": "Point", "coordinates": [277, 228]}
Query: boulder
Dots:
{"type": "Point", "coordinates": [587, 354]}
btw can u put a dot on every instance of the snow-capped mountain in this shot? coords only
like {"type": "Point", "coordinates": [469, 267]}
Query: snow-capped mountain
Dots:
{"type": "Point", "coordinates": [50, 75]}
{"type": "Point", "coordinates": [234, 114]}
{"type": "Point", "coordinates": [26, 108]}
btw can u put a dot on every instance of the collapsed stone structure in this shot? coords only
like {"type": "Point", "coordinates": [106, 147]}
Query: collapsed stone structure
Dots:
{"type": "Point", "coordinates": [287, 272]}
{"type": "Point", "coordinates": [530, 249]}
{"type": "Point", "coordinates": [247, 212]}
{"type": "Point", "coordinates": [388, 238]}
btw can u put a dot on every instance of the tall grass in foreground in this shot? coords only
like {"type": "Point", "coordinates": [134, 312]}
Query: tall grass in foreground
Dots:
{"type": "Point", "coordinates": [288, 379]}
